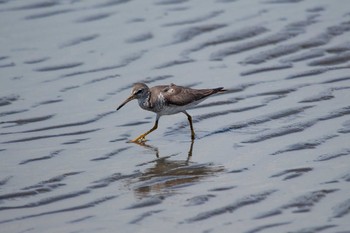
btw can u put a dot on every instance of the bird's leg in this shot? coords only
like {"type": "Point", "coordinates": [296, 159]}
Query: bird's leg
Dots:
{"type": "Point", "coordinates": [191, 125]}
{"type": "Point", "coordinates": [190, 151]}
{"type": "Point", "coordinates": [142, 136]}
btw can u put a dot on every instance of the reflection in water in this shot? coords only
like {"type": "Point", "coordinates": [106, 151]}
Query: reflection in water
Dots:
{"type": "Point", "coordinates": [156, 150]}
{"type": "Point", "coordinates": [166, 175]}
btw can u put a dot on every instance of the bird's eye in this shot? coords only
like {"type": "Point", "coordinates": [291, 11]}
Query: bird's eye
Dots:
{"type": "Point", "coordinates": [138, 91]}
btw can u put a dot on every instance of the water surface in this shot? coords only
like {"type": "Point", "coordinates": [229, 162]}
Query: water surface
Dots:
{"type": "Point", "coordinates": [272, 154]}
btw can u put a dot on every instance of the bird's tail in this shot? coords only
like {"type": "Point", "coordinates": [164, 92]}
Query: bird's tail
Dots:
{"type": "Point", "coordinates": [219, 90]}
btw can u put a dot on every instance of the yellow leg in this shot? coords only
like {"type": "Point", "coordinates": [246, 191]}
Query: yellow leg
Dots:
{"type": "Point", "coordinates": [191, 125]}
{"type": "Point", "coordinates": [142, 136]}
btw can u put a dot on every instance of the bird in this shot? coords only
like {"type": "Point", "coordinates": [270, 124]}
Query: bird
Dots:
{"type": "Point", "coordinates": [167, 100]}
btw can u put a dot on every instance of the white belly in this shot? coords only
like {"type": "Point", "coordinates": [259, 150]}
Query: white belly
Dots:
{"type": "Point", "coordinates": [173, 109]}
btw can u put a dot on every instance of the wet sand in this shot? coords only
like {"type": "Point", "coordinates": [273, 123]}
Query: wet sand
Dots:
{"type": "Point", "coordinates": [272, 154]}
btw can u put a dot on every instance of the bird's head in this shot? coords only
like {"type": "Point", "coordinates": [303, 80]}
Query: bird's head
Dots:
{"type": "Point", "coordinates": [138, 91]}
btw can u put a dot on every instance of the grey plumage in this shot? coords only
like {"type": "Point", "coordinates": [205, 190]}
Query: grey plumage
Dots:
{"type": "Point", "coordinates": [168, 100]}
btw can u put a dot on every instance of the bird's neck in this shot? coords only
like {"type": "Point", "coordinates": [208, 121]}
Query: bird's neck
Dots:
{"type": "Point", "coordinates": [144, 101]}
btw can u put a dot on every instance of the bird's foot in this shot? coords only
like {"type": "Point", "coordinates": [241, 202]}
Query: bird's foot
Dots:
{"type": "Point", "coordinates": [139, 139]}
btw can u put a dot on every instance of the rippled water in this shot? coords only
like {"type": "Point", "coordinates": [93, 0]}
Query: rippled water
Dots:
{"type": "Point", "coordinates": [272, 154]}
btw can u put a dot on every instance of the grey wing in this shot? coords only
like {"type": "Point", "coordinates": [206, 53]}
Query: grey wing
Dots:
{"type": "Point", "coordinates": [180, 96]}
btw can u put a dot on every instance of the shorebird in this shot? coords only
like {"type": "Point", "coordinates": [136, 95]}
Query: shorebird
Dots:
{"type": "Point", "coordinates": [167, 100]}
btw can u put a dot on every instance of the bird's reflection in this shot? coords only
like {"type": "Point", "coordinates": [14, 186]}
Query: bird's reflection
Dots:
{"type": "Point", "coordinates": [156, 150]}
{"type": "Point", "coordinates": [166, 175]}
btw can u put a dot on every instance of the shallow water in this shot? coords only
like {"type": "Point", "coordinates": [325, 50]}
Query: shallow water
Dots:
{"type": "Point", "coordinates": [272, 154]}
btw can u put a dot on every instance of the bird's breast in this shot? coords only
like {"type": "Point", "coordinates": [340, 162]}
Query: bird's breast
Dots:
{"type": "Point", "coordinates": [152, 104]}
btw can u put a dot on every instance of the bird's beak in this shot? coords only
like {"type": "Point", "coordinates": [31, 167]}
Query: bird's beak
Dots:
{"type": "Point", "coordinates": [126, 101]}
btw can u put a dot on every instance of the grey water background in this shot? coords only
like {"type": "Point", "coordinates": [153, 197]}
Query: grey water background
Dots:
{"type": "Point", "coordinates": [272, 154]}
